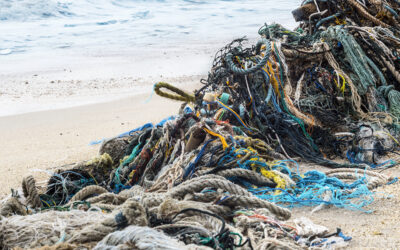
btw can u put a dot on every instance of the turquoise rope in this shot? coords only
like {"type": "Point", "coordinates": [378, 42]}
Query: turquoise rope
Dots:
{"type": "Point", "coordinates": [132, 156]}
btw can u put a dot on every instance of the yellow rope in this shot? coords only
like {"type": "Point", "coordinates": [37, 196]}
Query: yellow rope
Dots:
{"type": "Point", "coordinates": [391, 136]}
{"type": "Point", "coordinates": [93, 178]}
{"type": "Point", "coordinates": [250, 143]}
{"type": "Point", "coordinates": [343, 88]}
{"type": "Point", "coordinates": [272, 78]}
{"type": "Point", "coordinates": [280, 182]}
{"type": "Point", "coordinates": [223, 141]}
{"type": "Point", "coordinates": [237, 116]}
{"type": "Point", "coordinates": [179, 96]}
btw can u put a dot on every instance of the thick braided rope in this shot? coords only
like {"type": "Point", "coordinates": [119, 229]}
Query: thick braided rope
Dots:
{"type": "Point", "coordinates": [375, 182]}
{"type": "Point", "coordinates": [30, 192]}
{"type": "Point", "coordinates": [268, 242]}
{"type": "Point", "coordinates": [86, 192]}
{"type": "Point", "coordinates": [170, 207]}
{"type": "Point", "coordinates": [94, 232]}
{"type": "Point", "coordinates": [360, 9]}
{"type": "Point", "coordinates": [311, 55]}
{"type": "Point", "coordinates": [131, 213]}
{"type": "Point", "coordinates": [186, 224]}
{"type": "Point", "coordinates": [179, 96]}
{"type": "Point", "coordinates": [104, 206]}
{"type": "Point", "coordinates": [132, 192]}
{"type": "Point", "coordinates": [204, 197]}
{"type": "Point", "coordinates": [392, 69]}
{"type": "Point", "coordinates": [59, 246]}
{"type": "Point", "coordinates": [198, 185]}
{"type": "Point", "coordinates": [209, 222]}
{"type": "Point", "coordinates": [107, 198]}
{"type": "Point", "coordinates": [254, 202]}
{"type": "Point", "coordinates": [205, 177]}
{"type": "Point", "coordinates": [372, 182]}
{"type": "Point", "coordinates": [198, 178]}
{"type": "Point", "coordinates": [358, 171]}
{"type": "Point", "coordinates": [223, 211]}
{"type": "Point", "coordinates": [45, 228]}
{"type": "Point", "coordinates": [246, 174]}
{"type": "Point", "coordinates": [147, 199]}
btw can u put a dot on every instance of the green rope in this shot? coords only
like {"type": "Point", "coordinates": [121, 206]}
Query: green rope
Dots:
{"type": "Point", "coordinates": [355, 55]}
{"type": "Point", "coordinates": [296, 119]}
{"type": "Point", "coordinates": [393, 96]}
{"type": "Point", "coordinates": [179, 96]}
{"type": "Point", "coordinates": [132, 156]}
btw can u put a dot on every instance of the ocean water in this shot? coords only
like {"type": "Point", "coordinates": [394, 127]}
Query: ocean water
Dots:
{"type": "Point", "coordinates": [40, 25]}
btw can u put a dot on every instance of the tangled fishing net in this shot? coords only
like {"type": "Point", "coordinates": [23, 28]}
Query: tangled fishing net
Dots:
{"type": "Point", "coordinates": [226, 170]}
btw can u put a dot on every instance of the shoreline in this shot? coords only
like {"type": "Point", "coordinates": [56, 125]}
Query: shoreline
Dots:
{"type": "Point", "coordinates": [87, 78]}
{"type": "Point", "coordinates": [130, 87]}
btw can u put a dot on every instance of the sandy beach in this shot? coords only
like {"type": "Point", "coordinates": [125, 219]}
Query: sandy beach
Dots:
{"type": "Point", "coordinates": [52, 109]}
{"type": "Point", "coordinates": [47, 139]}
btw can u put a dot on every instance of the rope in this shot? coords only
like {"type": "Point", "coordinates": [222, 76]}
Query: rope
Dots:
{"type": "Point", "coordinates": [223, 173]}
{"type": "Point", "coordinates": [30, 192]}
{"type": "Point", "coordinates": [86, 192]}
{"type": "Point", "coordinates": [393, 96]}
{"type": "Point", "coordinates": [360, 10]}
{"type": "Point", "coordinates": [237, 70]}
{"type": "Point", "coordinates": [244, 201]}
{"type": "Point", "coordinates": [179, 95]}
{"type": "Point", "coordinates": [223, 141]}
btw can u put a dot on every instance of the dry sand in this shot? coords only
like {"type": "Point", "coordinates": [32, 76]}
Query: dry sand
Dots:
{"type": "Point", "coordinates": [47, 139]}
{"type": "Point", "coordinates": [377, 229]}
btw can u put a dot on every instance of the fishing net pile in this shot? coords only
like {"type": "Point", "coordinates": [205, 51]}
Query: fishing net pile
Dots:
{"type": "Point", "coordinates": [224, 172]}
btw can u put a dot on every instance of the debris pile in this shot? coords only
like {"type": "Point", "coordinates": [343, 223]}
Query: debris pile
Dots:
{"type": "Point", "coordinates": [226, 170]}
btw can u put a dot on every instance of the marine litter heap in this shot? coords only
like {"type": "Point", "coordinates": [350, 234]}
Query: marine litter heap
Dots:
{"type": "Point", "coordinates": [224, 173]}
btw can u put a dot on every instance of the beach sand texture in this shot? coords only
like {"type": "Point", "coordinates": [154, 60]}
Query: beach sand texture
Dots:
{"type": "Point", "coordinates": [48, 139]}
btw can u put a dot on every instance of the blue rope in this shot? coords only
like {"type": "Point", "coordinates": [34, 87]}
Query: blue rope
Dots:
{"type": "Point", "coordinates": [192, 166]}
{"type": "Point", "coordinates": [393, 181]}
{"type": "Point", "coordinates": [134, 153]}
{"type": "Point", "coordinates": [309, 190]}
{"type": "Point", "coordinates": [130, 132]}
{"type": "Point", "coordinates": [352, 157]}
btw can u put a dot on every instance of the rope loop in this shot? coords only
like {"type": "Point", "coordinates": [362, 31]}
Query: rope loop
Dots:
{"type": "Point", "coordinates": [179, 96]}
{"type": "Point", "coordinates": [237, 70]}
